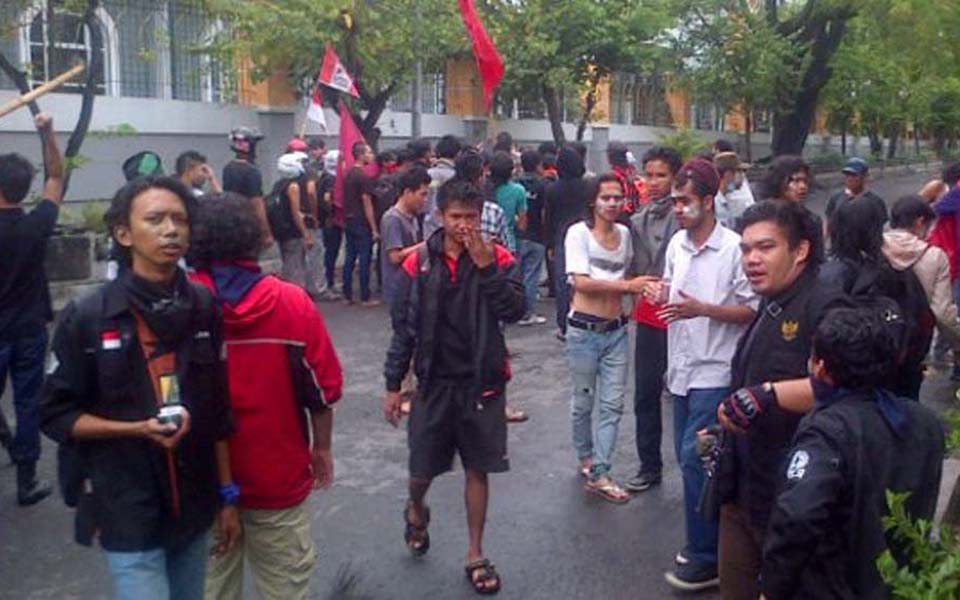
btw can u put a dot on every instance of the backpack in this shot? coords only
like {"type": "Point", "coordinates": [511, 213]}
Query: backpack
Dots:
{"type": "Point", "coordinates": [901, 299]}
{"type": "Point", "coordinates": [277, 206]}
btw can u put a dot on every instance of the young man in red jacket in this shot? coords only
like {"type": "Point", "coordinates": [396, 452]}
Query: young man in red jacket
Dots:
{"type": "Point", "coordinates": [281, 366]}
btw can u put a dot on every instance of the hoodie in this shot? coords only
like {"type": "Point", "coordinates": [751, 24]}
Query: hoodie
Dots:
{"type": "Point", "coordinates": [930, 264]}
{"type": "Point", "coordinates": [280, 361]}
{"type": "Point", "coordinates": [566, 198]}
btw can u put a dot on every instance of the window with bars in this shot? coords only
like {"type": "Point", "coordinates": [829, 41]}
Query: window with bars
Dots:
{"type": "Point", "coordinates": [56, 43]}
{"type": "Point", "coordinates": [433, 98]}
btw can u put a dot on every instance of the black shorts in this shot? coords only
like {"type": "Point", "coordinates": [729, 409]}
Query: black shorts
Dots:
{"type": "Point", "coordinates": [447, 418]}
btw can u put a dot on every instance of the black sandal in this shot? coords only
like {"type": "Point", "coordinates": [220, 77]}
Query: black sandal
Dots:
{"type": "Point", "coordinates": [481, 572]}
{"type": "Point", "coordinates": [416, 536]}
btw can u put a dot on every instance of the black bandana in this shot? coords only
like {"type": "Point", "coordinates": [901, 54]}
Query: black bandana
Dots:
{"type": "Point", "coordinates": [167, 308]}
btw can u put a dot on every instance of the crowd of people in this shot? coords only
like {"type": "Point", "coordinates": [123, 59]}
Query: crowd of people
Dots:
{"type": "Point", "coordinates": [191, 396]}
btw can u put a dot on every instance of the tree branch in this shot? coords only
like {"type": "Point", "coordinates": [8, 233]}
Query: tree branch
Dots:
{"type": "Point", "coordinates": [75, 141]}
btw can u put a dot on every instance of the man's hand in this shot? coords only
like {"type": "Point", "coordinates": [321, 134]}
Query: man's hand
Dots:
{"type": "Point", "coordinates": [376, 235]}
{"type": "Point", "coordinates": [745, 405]}
{"type": "Point", "coordinates": [481, 252]}
{"type": "Point", "coordinates": [308, 241]}
{"type": "Point", "coordinates": [322, 462]}
{"type": "Point", "coordinates": [229, 531]}
{"type": "Point", "coordinates": [639, 285]}
{"type": "Point", "coordinates": [43, 122]}
{"type": "Point", "coordinates": [167, 435]}
{"type": "Point", "coordinates": [391, 408]}
{"type": "Point", "coordinates": [728, 423]}
{"type": "Point", "coordinates": [688, 308]}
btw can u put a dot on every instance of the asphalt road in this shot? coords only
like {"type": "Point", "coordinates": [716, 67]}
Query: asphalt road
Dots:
{"type": "Point", "coordinates": [548, 538]}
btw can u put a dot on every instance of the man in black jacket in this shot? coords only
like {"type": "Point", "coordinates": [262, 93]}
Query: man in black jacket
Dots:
{"type": "Point", "coordinates": [566, 203]}
{"type": "Point", "coordinates": [452, 295]}
{"type": "Point", "coordinates": [136, 393]}
{"type": "Point", "coordinates": [826, 528]}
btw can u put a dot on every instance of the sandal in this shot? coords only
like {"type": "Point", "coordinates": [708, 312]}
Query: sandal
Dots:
{"type": "Point", "coordinates": [516, 415]}
{"type": "Point", "coordinates": [481, 574]}
{"type": "Point", "coordinates": [416, 536]}
{"type": "Point", "coordinates": [608, 490]}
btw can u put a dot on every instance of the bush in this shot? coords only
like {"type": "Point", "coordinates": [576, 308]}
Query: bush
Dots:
{"type": "Point", "coordinates": [684, 141]}
{"type": "Point", "coordinates": [827, 161]}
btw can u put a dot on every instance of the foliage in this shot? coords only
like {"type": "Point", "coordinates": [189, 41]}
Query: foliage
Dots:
{"type": "Point", "coordinates": [118, 130]}
{"type": "Point", "coordinates": [932, 569]}
{"type": "Point", "coordinates": [952, 418]}
{"type": "Point", "coordinates": [684, 141]}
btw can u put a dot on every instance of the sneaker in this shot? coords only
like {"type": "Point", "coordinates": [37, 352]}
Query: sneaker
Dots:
{"type": "Point", "coordinates": [329, 295]}
{"type": "Point", "coordinates": [527, 320]}
{"type": "Point", "coordinates": [693, 577]}
{"type": "Point", "coordinates": [681, 558]}
{"type": "Point", "coordinates": [643, 481]}
{"type": "Point", "coordinates": [561, 336]}
{"type": "Point", "coordinates": [538, 320]}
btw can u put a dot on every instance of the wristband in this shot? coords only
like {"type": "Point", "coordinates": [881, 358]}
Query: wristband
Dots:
{"type": "Point", "coordinates": [229, 494]}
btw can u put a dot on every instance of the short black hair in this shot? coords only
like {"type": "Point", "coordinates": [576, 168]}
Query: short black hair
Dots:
{"type": "Point", "coordinates": [908, 209]}
{"type": "Point", "coordinates": [469, 165]}
{"type": "Point", "coordinates": [404, 155]}
{"type": "Point", "coordinates": [118, 213]}
{"type": "Point", "coordinates": [547, 148]}
{"type": "Point", "coordinates": [664, 154]}
{"type": "Point", "coordinates": [501, 168]}
{"type": "Point", "coordinates": [357, 148]}
{"type": "Point", "coordinates": [530, 160]}
{"type": "Point", "coordinates": [951, 174]}
{"type": "Point", "coordinates": [504, 142]}
{"type": "Point", "coordinates": [316, 143]}
{"type": "Point", "coordinates": [448, 146]}
{"type": "Point", "coordinates": [16, 175]}
{"type": "Point", "coordinates": [617, 154]}
{"type": "Point", "coordinates": [188, 159]}
{"type": "Point", "coordinates": [580, 147]}
{"type": "Point", "coordinates": [722, 145]}
{"type": "Point", "coordinates": [226, 228]}
{"type": "Point", "coordinates": [592, 186]}
{"type": "Point", "coordinates": [461, 191]}
{"type": "Point", "coordinates": [858, 349]}
{"type": "Point", "coordinates": [779, 173]}
{"type": "Point", "coordinates": [856, 232]}
{"type": "Point", "coordinates": [386, 156]}
{"type": "Point", "coordinates": [420, 147]}
{"type": "Point", "coordinates": [793, 219]}
{"type": "Point", "coordinates": [413, 178]}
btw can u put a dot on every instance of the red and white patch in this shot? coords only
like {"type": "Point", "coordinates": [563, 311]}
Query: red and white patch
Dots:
{"type": "Point", "coordinates": [110, 340]}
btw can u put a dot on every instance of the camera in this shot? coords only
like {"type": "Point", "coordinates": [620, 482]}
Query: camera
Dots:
{"type": "Point", "coordinates": [171, 414]}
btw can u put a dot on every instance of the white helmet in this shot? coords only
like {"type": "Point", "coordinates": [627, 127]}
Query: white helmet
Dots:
{"type": "Point", "coordinates": [291, 164]}
{"type": "Point", "coordinates": [330, 161]}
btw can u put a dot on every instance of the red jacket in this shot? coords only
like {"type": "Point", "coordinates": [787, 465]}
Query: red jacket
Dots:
{"type": "Point", "coordinates": [269, 453]}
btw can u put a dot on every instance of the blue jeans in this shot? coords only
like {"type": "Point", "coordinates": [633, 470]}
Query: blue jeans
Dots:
{"type": "Point", "coordinates": [598, 369]}
{"type": "Point", "coordinates": [561, 287]}
{"type": "Point", "coordinates": [531, 262]}
{"type": "Point", "coordinates": [332, 238]}
{"type": "Point", "coordinates": [23, 357]}
{"type": "Point", "coordinates": [160, 574]}
{"type": "Point", "coordinates": [359, 246]}
{"type": "Point", "coordinates": [691, 413]}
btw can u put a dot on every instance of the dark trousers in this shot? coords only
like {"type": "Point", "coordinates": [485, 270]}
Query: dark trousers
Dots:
{"type": "Point", "coordinates": [741, 554]}
{"type": "Point", "coordinates": [359, 248]}
{"type": "Point", "coordinates": [332, 238]}
{"type": "Point", "coordinates": [23, 358]}
{"type": "Point", "coordinates": [561, 287]}
{"type": "Point", "coordinates": [650, 364]}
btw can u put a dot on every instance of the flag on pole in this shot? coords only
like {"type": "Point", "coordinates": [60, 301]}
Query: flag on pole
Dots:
{"type": "Point", "coordinates": [489, 63]}
{"type": "Point", "coordinates": [334, 74]}
{"type": "Point", "coordinates": [315, 110]}
{"type": "Point", "coordinates": [349, 135]}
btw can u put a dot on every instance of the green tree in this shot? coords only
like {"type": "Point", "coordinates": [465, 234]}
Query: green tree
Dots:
{"type": "Point", "coordinates": [379, 42]}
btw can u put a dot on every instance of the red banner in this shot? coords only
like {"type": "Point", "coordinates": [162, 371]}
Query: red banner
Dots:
{"type": "Point", "coordinates": [489, 63]}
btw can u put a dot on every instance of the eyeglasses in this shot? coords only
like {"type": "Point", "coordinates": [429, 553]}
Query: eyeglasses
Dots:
{"type": "Point", "coordinates": [611, 197]}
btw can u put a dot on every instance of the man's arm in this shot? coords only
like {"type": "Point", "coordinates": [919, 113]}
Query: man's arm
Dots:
{"type": "Point", "coordinates": [53, 176]}
{"type": "Point", "coordinates": [293, 193]}
{"type": "Point", "coordinates": [215, 186]}
{"type": "Point", "coordinates": [367, 200]}
{"type": "Point", "coordinates": [321, 423]}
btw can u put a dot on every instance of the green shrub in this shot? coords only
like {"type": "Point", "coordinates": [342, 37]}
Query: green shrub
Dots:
{"type": "Point", "coordinates": [684, 141]}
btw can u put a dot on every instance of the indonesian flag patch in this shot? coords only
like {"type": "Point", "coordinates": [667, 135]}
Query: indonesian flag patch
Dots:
{"type": "Point", "coordinates": [110, 340]}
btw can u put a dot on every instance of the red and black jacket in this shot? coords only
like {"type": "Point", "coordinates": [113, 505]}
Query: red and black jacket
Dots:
{"type": "Point", "coordinates": [495, 294]}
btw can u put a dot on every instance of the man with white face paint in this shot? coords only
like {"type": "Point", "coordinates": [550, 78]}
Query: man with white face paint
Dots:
{"type": "Point", "coordinates": [708, 303]}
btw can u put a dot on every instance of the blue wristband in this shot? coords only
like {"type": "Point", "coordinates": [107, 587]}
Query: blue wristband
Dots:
{"type": "Point", "coordinates": [229, 494]}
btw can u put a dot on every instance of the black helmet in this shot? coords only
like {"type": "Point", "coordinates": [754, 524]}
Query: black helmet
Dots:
{"type": "Point", "coordinates": [243, 139]}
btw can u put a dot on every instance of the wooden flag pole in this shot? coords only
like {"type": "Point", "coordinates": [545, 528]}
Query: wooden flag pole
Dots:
{"type": "Point", "coordinates": [46, 88]}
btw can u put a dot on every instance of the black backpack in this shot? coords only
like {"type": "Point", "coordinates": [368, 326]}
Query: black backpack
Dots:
{"type": "Point", "coordinates": [277, 206]}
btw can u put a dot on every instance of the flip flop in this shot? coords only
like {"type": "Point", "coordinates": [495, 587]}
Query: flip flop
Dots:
{"type": "Point", "coordinates": [416, 536]}
{"type": "Point", "coordinates": [609, 491]}
{"type": "Point", "coordinates": [480, 573]}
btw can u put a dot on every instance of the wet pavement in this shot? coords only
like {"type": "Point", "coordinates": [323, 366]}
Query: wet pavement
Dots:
{"type": "Point", "coordinates": [548, 538]}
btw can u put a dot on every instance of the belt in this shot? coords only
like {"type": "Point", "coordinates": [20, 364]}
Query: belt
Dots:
{"type": "Point", "coordinates": [598, 326]}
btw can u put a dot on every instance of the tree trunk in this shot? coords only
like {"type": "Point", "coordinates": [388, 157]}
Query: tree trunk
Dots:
{"type": "Point", "coordinates": [375, 106]}
{"type": "Point", "coordinates": [916, 141]}
{"type": "Point", "coordinates": [748, 134]}
{"type": "Point", "coordinates": [79, 134]}
{"type": "Point", "coordinates": [843, 139]}
{"type": "Point", "coordinates": [590, 103]}
{"type": "Point", "coordinates": [892, 148]}
{"type": "Point", "coordinates": [876, 143]}
{"type": "Point", "coordinates": [552, 99]}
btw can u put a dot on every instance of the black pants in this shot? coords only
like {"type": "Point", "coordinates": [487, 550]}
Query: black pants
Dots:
{"type": "Point", "coordinates": [650, 365]}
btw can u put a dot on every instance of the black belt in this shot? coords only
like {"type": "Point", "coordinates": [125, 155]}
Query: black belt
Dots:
{"type": "Point", "coordinates": [605, 326]}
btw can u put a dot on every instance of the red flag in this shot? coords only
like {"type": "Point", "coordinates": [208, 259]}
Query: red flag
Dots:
{"type": "Point", "coordinates": [489, 63]}
{"type": "Point", "coordinates": [349, 135]}
{"type": "Point", "coordinates": [334, 74]}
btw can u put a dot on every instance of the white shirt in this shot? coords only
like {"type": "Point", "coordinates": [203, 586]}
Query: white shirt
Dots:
{"type": "Point", "coordinates": [700, 350]}
{"type": "Point", "coordinates": [585, 256]}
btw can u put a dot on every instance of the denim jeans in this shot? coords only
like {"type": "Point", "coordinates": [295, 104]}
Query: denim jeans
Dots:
{"type": "Point", "coordinates": [531, 262]}
{"type": "Point", "coordinates": [160, 574]}
{"type": "Point", "coordinates": [691, 413]}
{"type": "Point", "coordinates": [332, 239]}
{"type": "Point", "coordinates": [650, 363]}
{"type": "Point", "coordinates": [23, 357]}
{"type": "Point", "coordinates": [316, 284]}
{"type": "Point", "coordinates": [359, 247]}
{"type": "Point", "coordinates": [598, 369]}
{"type": "Point", "coordinates": [294, 268]}
{"type": "Point", "coordinates": [561, 287]}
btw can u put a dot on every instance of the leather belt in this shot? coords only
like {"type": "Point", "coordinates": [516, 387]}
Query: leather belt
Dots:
{"type": "Point", "coordinates": [598, 326]}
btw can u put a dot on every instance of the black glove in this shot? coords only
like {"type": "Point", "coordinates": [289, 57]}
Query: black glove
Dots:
{"type": "Point", "coordinates": [746, 404]}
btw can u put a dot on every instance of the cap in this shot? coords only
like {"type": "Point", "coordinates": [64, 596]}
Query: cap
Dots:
{"type": "Point", "coordinates": [729, 161]}
{"type": "Point", "coordinates": [142, 164]}
{"type": "Point", "coordinates": [856, 166]}
{"type": "Point", "coordinates": [702, 172]}
{"type": "Point", "coordinates": [297, 145]}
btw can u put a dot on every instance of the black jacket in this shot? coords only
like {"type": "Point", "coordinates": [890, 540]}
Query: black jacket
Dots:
{"type": "Point", "coordinates": [565, 199]}
{"type": "Point", "coordinates": [495, 294]}
{"type": "Point", "coordinates": [825, 530]}
{"type": "Point", "coordinates": [130, 501]}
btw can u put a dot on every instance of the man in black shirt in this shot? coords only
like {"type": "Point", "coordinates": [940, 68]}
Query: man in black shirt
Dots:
{"type": "Point", "coordinates": [361, 225]}
{"type": "Point", "coordinates": [243, 177]}
{"type": "Point", "coordinates": [531, 247]}
{"type": "Point", "coordinates": [25, 306]}
{"type": "Point", "coordinates": [855, 174]}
